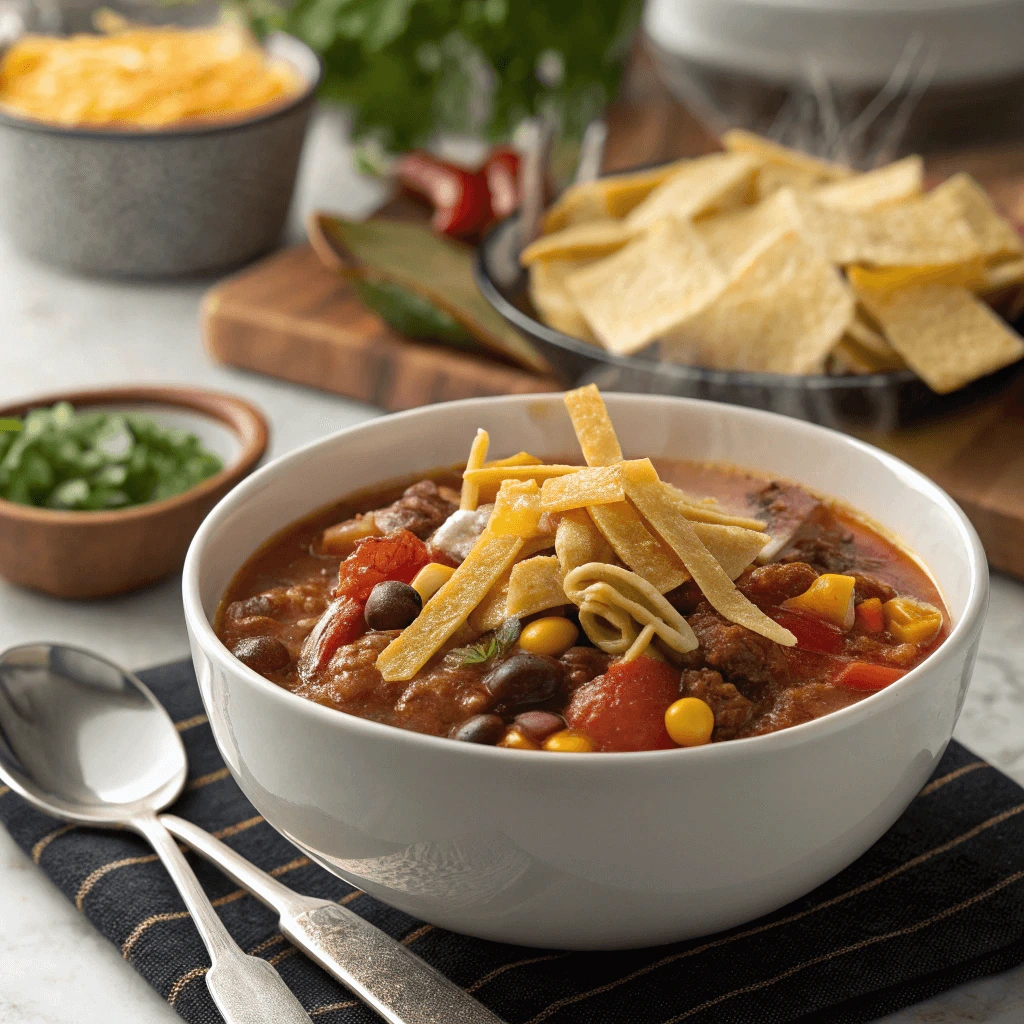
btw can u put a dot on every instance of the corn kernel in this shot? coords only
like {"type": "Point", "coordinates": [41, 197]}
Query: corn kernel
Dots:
{"type": "Point", "coordinates": [430, 579]}
{"type": "Point", "coordinates": [690, 722]}
{"type": "Point", "coordinates": [910, 621]}
{"type": "Point", "coordinates": [517, 741]}
{"type": "Point", "coordinates": [568, 741]}
{"type": "Point", "coordinates": [341, 539]}
{"type": "Point", "coordinates": [552, 635]}
{"type": "Point", "coordinates": [830, 597]}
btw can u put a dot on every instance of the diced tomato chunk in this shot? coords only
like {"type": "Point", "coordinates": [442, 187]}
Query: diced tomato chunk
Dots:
{"type": "Point", "coordinates": [625, 708]}
{"type": "Point", "coordinates": [398, 556]}
{"type": "Point", "coordinates": [340, 624]}
{"type": "Point", "coordinates": [862, 675]}
{"type": "Point", "coordinates": [812, 633]}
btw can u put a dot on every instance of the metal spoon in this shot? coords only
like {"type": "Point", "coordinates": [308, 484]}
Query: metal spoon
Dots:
{"type": "Point", "coordinates": [84, 740]}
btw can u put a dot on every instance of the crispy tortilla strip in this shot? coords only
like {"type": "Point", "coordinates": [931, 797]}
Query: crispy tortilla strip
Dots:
{"type": "Point", "coordinates": [593, 426]}
{"type": "Point", "coordinates": [535, 585]}
{"type": "Point", "coordinates": [736, 237]}
{"type": "Point", "coordinates": [737, 140]}
{"type": "Point", "coordinates": [597, 485]}
{"type": "Point", "coordinates": [644, 553]}
{"type": "Point", "coordinates": [477, 454]}
{"type": "Point", "coordinates": [588, 241]}
{"type": "Point", "coordinates": [714, 182]}
{"type": "Point", "coordinates": [517, 509]}
{"type": "Point", "coordinates": [578, 541]}
{"type": "Point", "coordinates": [894, 183]}
{"type": "Point", "coordinates": [701, 512]}
{"type": "Point", "coordinates": [947, 336]}
{"type": "Point", "coordinates": [448, 608]}
{"type": "Point", "coordinates": [658, 509]}
{"type": "Point", "coordinates": [783, 314]}
{"type": "Point", "coordinates": [733, 547]}
{"type": "Point", "coordinates": [551, 298]}
{"type": "Point", "coordinates": [930, 231]}
{"type": "Point", "coordinates": [614, 602]}
{"type": "Point", "coordinates": [488, 479]}
{"type": "Point", "coordinates": [995, 236]}
{"type": "Point", "coordinates": [658, 281]}
{"type": "Point", "coordinates": [612, 196]}
{"type": "Point", "coordinates": [519, 459]}
{"type": "Point", "coordinates": [490, 612]}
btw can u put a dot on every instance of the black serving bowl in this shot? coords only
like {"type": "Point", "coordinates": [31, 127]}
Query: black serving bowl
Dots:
{"type": "Point", "coordinates": [881, 401]}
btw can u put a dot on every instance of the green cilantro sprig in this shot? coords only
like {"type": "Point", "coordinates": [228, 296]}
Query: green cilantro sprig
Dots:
{"type": "Point", "coordinates": [483, 651]}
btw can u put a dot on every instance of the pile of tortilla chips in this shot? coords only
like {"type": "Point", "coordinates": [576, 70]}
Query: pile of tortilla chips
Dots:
{"type": "Point", "coordinates": [765, 259]}
{"type": "Point", "coordinates": [610, 538]}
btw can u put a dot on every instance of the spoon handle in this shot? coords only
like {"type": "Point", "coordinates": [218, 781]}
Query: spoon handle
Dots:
{"type": "Point", "coordinates": [246, 989]}
{"type": "Point", "coordinates": [386, 975]}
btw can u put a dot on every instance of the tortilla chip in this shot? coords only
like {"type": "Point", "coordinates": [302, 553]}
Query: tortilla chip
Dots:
{"type": "Point", "coordinates": [611, 196]}
{"type": "Point", "coordinates": [597, 485]}
{"type": "Point", "coordinates": [535, 585]}
{"type": "Point", "coordinates": [995, 236]}
{"type": "Point", "coordinates": [773, 177]}
{"type": "Point", "coordinates": [648, 288]}
{"type": "Point", "coordinates": [869, 337]}
{"type": "Point", "coordinates": [969, 274]}
{"type": "Point", "coordinates": [734, 238]}
{"type": "Point", "coordinates": [947, 336]}
{"type": "Point", "coordinates": [477, 455]}
{"type": "Point", "coordinates": [733, 547]}
{"type": "Point", "coordinates": [588, 241]}
{"type": "Point", "coordinates": [1003, 275]}
{"type": "Point", "coordinates": [658, 509]}
{"type": "Point", "coordinates": [850, 357]}
{"type": "Point", "coordinates": [593, 426]}
{"type": "Point", "coordinates": [490, 612]}
{"type": "Point", "coordinates": [737, 140]}
{"type": "Point", "coordinates": [712, 182]}
{"type": "Point", "coordinates": [783, 314]}
{"type": "Point", "coordinates": [894, 183]}
{"type": "Point", "coordinates": [922, 232]}
{"type": "Point", "coordinates": [552, 300]}
{"type": "Point", "coordinates": [448, 608]}
{"type": "Point", "coordinates": [516, 509]}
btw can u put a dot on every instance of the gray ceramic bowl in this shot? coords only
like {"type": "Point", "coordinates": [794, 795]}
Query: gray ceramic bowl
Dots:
{"type": "Point", "coordinates": [164, 203]}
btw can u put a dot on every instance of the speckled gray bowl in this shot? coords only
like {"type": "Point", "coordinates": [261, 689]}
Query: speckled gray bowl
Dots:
{"type": "Point", "coordinates": [163, 203]}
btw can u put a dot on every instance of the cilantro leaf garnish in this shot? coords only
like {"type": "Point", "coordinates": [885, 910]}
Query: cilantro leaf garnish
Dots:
{"type": "Point", "coordinates": [484, 650]}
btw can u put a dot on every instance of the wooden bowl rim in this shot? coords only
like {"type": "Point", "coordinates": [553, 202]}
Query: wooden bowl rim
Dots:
{"type": "Point", "coordinates": [247, 422]}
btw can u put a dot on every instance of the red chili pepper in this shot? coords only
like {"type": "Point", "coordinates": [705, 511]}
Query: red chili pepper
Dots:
{"type": "Point", "coordinates": [460, 198]}
{"type": "Point", "coordinates": [868, 615]}
{"type": "Point", "coordinates": [502, 173]}
{"type": "Point", "coordinates": [862, 675]}
{"type": "Point", "coordinates": [811, 632]}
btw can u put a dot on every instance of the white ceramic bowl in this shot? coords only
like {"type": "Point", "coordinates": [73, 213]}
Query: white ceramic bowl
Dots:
{"type": "Point", "coordinates": [590, 851]}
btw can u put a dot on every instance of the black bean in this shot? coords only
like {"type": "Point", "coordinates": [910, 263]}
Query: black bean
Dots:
{"type": "Point", "coordinates": [262, 654]}
{"type": "Point", "coordinates": [479, 729]}
{"type": "Point", "coordinates": [525, 679]}
{"type": "Point", "coordinates": [392, 605]}
{"type": "Point", "coordinates": [539, 725]}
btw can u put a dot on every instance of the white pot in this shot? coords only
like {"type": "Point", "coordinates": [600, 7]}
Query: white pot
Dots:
{"type": "Point", "coordinates": [588, 851]}
{"type": "Point", "coordinates": [858, 43]}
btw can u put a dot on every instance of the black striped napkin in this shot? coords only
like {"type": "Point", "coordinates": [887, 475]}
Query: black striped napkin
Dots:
{"type": "Point", "coordinates": [937, 901]}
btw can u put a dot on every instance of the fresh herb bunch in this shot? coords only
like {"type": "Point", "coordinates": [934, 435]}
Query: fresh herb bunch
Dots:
{"type": "Point", "coordinates": [414, 68]}
{"type": "Point", "coordinates": [88, 461]}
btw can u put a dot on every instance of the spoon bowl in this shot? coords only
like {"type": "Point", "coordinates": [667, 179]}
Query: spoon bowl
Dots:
{"type": "Point", "coordinates": [83, 739]}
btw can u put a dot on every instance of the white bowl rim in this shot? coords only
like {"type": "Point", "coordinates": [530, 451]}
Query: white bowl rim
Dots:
{"type": "Point", "coordinates": [796, 735]}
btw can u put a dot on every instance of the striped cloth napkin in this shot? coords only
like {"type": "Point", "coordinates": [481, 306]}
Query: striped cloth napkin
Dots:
{"type": "Point", "coordinates": [937, 901]}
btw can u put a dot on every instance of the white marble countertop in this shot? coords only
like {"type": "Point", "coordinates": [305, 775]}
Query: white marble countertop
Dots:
{"type": "Point", "coordinates": [60, 332]}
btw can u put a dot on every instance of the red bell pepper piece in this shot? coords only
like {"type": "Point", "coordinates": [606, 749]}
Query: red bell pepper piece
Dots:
{"type": "Point", "coordinates": [812, 633]}
{"type": "Point", "coordinates": [862, 675]}
{"type": "Point", "coordinates": [868, 615]}
{"type": "Point", "coordinates": [339, 625]}
{"type": "Point", "coordinates": [460, 198]}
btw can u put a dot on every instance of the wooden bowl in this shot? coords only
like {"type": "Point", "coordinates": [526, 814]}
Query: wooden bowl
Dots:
{"type": "Point", "coordinates": [97, 554]}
